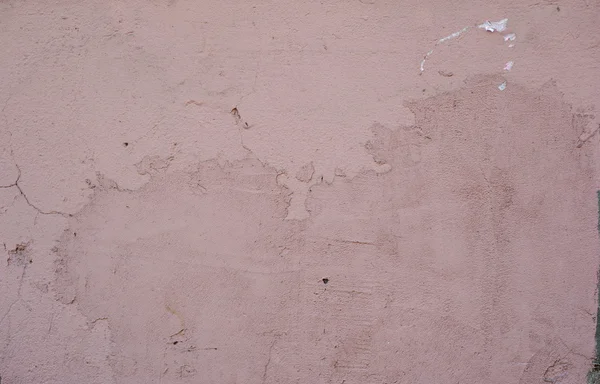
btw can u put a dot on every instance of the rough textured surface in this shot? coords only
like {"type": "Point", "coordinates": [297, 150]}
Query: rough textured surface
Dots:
{"type": "Point", "coordinates": [274, 192]}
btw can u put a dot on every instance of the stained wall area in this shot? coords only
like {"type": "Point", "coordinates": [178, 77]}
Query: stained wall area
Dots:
{"type": "Point", "coordinates": [298, 192]}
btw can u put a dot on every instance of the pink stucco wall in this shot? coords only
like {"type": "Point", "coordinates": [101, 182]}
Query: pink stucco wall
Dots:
{"type": "Point", "coordinates": [298, 191]}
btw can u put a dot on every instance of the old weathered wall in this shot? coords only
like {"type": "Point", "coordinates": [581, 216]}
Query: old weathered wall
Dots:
{"type": "Point", "coordinates": [298, 192]}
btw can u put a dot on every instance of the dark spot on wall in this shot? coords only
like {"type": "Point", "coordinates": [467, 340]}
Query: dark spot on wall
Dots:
{"type": "Point", "coordinates": [20, 255]}
{"type": "Point", "coordinates": [325, 280]}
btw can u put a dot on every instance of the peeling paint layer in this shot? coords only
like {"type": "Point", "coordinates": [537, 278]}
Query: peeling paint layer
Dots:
{"type": "Point", "coordinates": [215, 248]}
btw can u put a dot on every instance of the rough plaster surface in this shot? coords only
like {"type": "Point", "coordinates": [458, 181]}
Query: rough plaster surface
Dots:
{"type": "Point", "coordinates": [273, 192]}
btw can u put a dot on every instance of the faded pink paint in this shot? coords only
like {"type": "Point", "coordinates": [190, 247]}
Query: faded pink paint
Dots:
{"type": "Point", "coordinates": [274, 192]}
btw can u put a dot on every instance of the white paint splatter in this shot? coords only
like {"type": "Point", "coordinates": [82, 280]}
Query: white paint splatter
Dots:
{"type": "Point", "coordinates": [510, 45]}
{"type": "Point", "coordinates": [502, 86]}
{"type": "Point", "coordinates": [454, 35]}
{"type": "Point", "coordinates": [440, 41]}
{"type": "Point", "coordinates": [493, 26]}
{"type": "Point", "coordinates": [510, 37]}
{"type": "Point", "coordinates": [425, 58]}
{"type": "Point", "coordinates": [508, 66]}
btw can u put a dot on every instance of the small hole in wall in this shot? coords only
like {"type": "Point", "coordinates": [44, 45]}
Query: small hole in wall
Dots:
{"type": "Point", "coordinates": [125, 144]}
{"type": "Point", "coordinates": [175, 342]}
{"type": "Point", "coordinates": [75, 234]}
{"type": "Point", "coordinates": [325, 280]}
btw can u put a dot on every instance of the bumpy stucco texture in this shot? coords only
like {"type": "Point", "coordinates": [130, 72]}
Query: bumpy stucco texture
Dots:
{"type": "Point", "coordinates": [275, 192]}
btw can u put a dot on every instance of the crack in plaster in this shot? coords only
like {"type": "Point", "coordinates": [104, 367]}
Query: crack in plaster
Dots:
{"type": "Point", "coordinates": [264, 377]}
{"type": "Point", "coordinates": [18, 299]}
{"type": "Point", "coordinates": [39, 210]}
{"type": "Point", "coordinates": [22, 192]}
